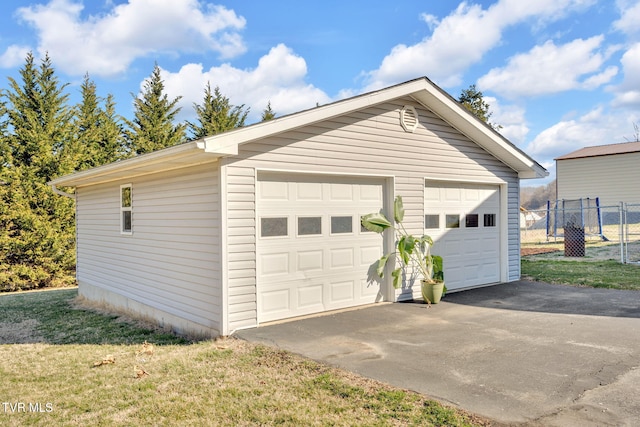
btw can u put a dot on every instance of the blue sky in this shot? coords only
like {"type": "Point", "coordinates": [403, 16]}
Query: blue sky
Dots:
{"type": "Point", "coordinates": [558, 74]}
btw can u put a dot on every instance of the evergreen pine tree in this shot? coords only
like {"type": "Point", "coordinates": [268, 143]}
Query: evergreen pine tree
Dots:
{"type": "Point", "coordinates": [472, 99]}
{"type": "Point", "coordinates": [216, 114]}
{"type": "Point", "coordinates": [268, 113]}
{"type": "Point", "coordinates": [36, 226]}
{"type": "Point", "coordinates": [153, 127]}
{"type": "Point", "coordinates": [98, 135]}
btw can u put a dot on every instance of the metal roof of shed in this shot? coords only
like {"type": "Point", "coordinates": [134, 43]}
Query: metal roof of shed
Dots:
{"type": "Point", "coordinates": [603, 150]}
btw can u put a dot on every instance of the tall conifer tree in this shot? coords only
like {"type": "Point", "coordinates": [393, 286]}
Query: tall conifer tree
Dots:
{"type": "Point", "coordinates": [268, 113]}
{"type": "Point", "coordinates": [36, 226]}
{"type": "Point", "coordinates": [472, 99]}
{"type": "Point", "coordinates": [153, 127]}
{"type": "Point", "coordinates": [98, 135]}
{"type": "Point", "coordinates": [216, 114]}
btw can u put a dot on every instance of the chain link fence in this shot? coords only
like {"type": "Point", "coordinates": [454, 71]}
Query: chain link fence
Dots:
{"type": "Point", "coordinates": [582, 230]}
{"type": "Point", "coordinates": [631, 213]}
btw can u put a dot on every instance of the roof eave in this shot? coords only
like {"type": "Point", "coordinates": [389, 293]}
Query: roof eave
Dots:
{"type": "Point", "coordinates": [464, 121]}
{"type": "Point", "coordinates": [422, 90]}
{"type": "Point", "coordinates": [187, 154]}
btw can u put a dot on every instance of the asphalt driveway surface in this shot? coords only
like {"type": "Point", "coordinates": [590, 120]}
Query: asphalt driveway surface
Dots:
{"type": "Point", "coordinates": [519, 353]}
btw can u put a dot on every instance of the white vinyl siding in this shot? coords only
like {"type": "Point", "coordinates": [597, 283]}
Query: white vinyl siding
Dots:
{"type": "Point", "coordinates": [367, 142]}
{"type": "Point", "coordinates": [171, 262]}
{"type": "Point", "coordinates": [612, 178]}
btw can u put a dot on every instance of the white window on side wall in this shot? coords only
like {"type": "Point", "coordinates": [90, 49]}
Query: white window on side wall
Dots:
{"type": "Point", "coordinates": [126, 209]}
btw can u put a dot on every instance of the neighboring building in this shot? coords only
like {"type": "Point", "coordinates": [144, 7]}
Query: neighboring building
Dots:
{"type": "Point", "coordinates": [609, 172]}
{"type": "Point", "coordinates": [263, 222]}
{"type": "Point", "coordinates": [528, 219]}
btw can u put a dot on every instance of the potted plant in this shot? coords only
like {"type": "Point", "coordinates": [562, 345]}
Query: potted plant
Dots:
{"type": "Point", "coordinates": [414, 253]}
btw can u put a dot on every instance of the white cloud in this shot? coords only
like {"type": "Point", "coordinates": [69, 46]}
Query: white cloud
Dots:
{"type": "Point", "coordinates": [279, 78]}
{"type": "Point", "coordinates": [550, 68]}
{"type": "Point", "coordinates": [13, 56]}
{"type": "Point", "coordinates": [629, 22]}
{"type": "Point", "coordinates": [628, 92]}
{"type": "Point", "coordinates": [511, 118]}
{"type": "Point", "coordinates": [461, 39]}
{"type": "Point", "coordinates": [107, 44]}
{"type": "Point", "coordinates": [597, 127]}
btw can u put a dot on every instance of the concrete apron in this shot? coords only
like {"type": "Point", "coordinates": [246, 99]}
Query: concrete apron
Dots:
{"type": "Point", "coordinates": [521, 352]}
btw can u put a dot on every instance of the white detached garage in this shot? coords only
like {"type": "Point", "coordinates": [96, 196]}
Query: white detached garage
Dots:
{"type": "Point", "coordinates": [262, 223]}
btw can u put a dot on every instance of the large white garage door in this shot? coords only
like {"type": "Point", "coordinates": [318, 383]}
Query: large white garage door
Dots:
{"type": "Point", "coordinates": [313, 255]}
{"type": "Point", "coordinates": [464, 221]}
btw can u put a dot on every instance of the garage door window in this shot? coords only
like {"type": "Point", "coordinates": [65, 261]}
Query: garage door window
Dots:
{"type": "Point", "coordinates": [274, 227]}
{"type": "Point", "coordinates": [432, 221]}
{"type": "Point", "coordinates": [309, 226]}
{"type": "Point", "coordinates": [489, 220]}
{"type": "Point", "coordinates": [341, 224]}
{"type": "Point", "coordinates": [471, 221]}
{"type": "Point", "coordinates": [453, 221]}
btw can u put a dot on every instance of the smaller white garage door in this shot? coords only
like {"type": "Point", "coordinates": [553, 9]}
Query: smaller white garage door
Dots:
{"type": "Point", "coordinates": [313, 255]}
{"type": "Point", "coordinates": [464, 221]}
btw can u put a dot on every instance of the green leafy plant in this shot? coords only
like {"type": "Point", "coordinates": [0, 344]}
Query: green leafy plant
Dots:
{"type": "Point", "coordinates": [413, 251]}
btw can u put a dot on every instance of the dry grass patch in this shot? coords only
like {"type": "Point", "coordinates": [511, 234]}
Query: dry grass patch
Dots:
{"type": "Point", "coordinates": [93, 369]}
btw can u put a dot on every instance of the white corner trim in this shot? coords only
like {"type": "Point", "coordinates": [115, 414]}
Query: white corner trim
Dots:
{"type": "Point", "coordinates": [224, 269]}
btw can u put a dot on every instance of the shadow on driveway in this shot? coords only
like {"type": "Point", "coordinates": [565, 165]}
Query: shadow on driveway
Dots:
{"type": "Point", "coordinates": [546, 298]}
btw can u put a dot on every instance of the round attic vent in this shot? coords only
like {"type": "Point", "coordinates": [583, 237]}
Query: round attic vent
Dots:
{"type": "Point", "coordinates": [409, 118]}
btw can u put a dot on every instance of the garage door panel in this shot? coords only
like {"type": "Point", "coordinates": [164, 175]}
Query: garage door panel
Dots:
{"type": "Point", "coordinates": [341, 192]}
{"type": "Point", "coordinates": [309, 296]}
{"type": "Point", "coordinates": [452, 194]}
{"type": "Point", "coordinates": [371, 193]}
{"type": "Point", "coordinates": [341, 292]}
{"type": "Point", "coordinates": [341, 258]}
{"type": "Point", "coordinates": [309, 191]}
{"type": "Point", "coordinates": [310, 260]}
{"type": "Point", "coordinates": [275, 263]}
{"type": "Point", "coordinates": [474, 247]}
{"type": "Point", "coordinates": [273, 190]}
{"type": "Point", "coordinates": [369, 254]}
{"type": "Point", "coordinates": [368, 289]}
{"type": "Point", "coordinates": [276, 301]}
{"type": "Point", "coordinates": [328, 255]}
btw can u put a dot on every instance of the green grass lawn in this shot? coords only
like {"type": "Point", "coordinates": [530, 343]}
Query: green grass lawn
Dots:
{"type": "Point", "coordinates": [597, 274]}
{"type": "Point", "coordinates": [63, 365]}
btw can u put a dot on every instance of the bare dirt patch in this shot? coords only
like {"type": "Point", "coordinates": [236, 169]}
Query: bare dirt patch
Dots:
{"type": "Point", "coordinates": [537, 251]}
{"type": "Point", "coordinates": [19, 332]}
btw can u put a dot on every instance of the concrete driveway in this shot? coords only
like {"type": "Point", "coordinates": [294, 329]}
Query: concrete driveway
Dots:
{"type": "Point", "coordinates": [519, 353]}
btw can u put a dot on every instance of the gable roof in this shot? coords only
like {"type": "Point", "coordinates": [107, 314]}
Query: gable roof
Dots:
{"type": "Point", "coordinates": [603, 150]}
{"type": "Point", "coordinates": [226, 144]}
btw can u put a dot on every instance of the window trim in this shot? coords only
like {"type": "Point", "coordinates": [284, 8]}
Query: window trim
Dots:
{"type": "Point", "coordinates": [124, 209]}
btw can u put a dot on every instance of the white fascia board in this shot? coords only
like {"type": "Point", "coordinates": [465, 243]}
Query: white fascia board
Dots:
{"type": "Point", "coordinates": [457, 116]}
{"type": "Point", "coordinates": [190, 153]}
